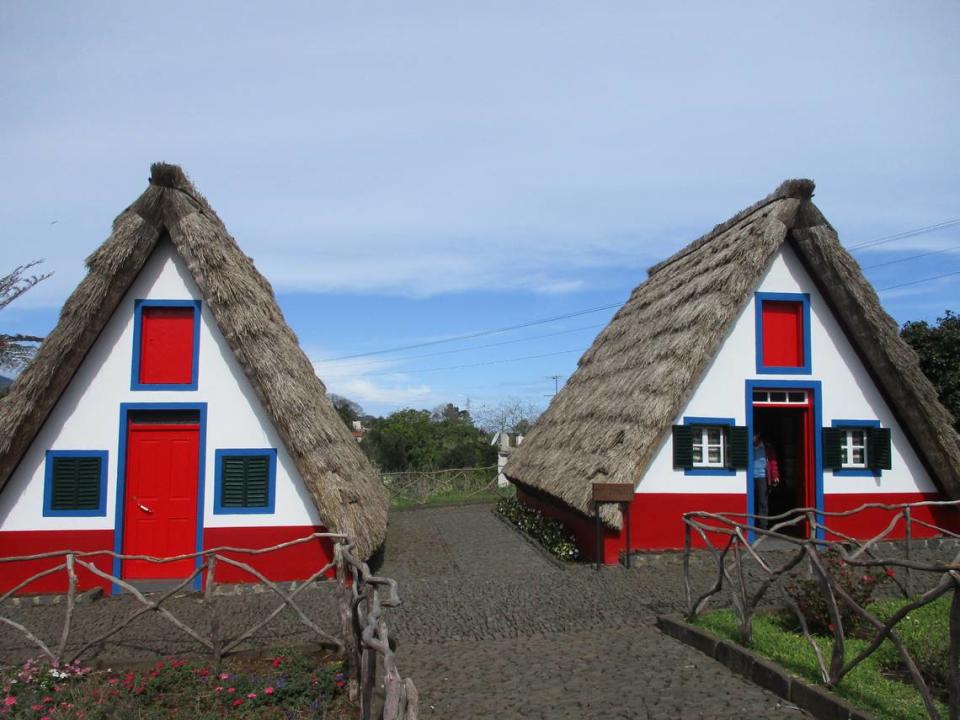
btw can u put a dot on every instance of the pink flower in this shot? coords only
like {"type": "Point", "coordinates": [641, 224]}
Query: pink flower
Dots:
{"type": "Point", "coordinates": [251, 695]}
{"type": "Point", "coordinates": [224, 676]}
{"type": "Point", "coordinates": [238, 702]}
{"type": "Point", "coordinates": [890, 572]}
{"type": "Point", "coordinates": [9, 701]}
{"type": "Point", "coordinates": [268, 691]}
{"type": "Point", "coordinates": [230, 690]}
{"type": "Point", "coordinates": [218, 688]}
{"type": "Point", "coordinates": [277, 661]}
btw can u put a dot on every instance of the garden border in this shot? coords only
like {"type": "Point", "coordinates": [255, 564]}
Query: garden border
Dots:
{"type": "Point", "coordinates": [816, 700]}
{"type": "Point", "coordinates": [550, 557]}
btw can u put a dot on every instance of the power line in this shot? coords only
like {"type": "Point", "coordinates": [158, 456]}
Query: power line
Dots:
{"type": "Point", "coordinates": [481, 364]}
{"type": "Point", "coordinates": [912, 257]}
{"type": "Point", "coordinates": [917, 282]}
{"type": "Point", "coordinates": [481, 333]}
{"type": "Point", "coordinates": [904, 234]}
{"type": "Point", "coordinates": [496, 344]}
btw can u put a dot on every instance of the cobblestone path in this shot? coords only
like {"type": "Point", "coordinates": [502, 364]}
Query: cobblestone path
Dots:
{"type": "Point", "coordinates": [489, 628]}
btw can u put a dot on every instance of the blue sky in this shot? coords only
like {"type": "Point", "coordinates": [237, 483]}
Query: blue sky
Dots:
{"type": "Point", "coordinates": [404, 173]}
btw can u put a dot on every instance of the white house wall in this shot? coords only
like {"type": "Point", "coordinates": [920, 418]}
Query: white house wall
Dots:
{"type": "Point", "coordinates": [847, 393]}
{"type": "Point", "coordinates": [87, 416]}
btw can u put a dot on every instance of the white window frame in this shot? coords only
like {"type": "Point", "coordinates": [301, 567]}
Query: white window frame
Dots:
{"type": "Point", "coordinates": [848, 446]}
{"type": "Point", "coordinates": [701, 440]}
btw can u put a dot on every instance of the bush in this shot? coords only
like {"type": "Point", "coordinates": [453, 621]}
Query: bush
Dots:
{"type": "Point", "coordinates": [859, 582]}
{"type": "Point", "coordinates": [550, 533]}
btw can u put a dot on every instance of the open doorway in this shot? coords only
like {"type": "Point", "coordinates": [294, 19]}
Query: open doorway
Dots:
{"type": "Point", "coordinates": [783, 421]}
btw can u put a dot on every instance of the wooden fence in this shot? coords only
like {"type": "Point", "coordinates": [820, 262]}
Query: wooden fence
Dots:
{"type": "Point", "coordinates": [803, 535]}
{"type": "Point", "coordinates": [362, 598]}
{"type": "Point", "coordinates": [417, 487]}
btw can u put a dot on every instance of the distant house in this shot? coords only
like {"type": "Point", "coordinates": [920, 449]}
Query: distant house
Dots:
{"type": "Point", "coordinates": [171, 410]}
{"type": "Point", "coordinates": [357, 430]}
{"type": "Point", "coordinates": [505, 443]}
{"type": "Point", "coordinates": [764, 325]}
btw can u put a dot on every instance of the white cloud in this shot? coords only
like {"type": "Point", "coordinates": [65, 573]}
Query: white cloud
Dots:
{"type": "Point", "coordinates": [365, 383]}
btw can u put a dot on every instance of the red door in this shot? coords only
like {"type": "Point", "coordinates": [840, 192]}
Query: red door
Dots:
{"type": "Point", "coordinates": [160, 498]}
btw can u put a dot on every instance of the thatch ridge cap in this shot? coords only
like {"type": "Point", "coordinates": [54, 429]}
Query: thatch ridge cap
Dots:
{"type": "Point", "coordinates": [793, 188]}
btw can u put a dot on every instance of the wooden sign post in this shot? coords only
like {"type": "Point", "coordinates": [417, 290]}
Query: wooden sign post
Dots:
{"type": "Point", "coordinates": [620, 493]}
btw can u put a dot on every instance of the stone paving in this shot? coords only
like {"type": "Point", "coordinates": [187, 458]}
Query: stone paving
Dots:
{"type": "Point", "coordinates": [491, 629]}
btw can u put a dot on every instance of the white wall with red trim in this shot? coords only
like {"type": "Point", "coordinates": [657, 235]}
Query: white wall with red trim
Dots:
{"type": "Point", "coordinates": [847, 393]}
{"type": "Point", "coordinates": [87, 417]}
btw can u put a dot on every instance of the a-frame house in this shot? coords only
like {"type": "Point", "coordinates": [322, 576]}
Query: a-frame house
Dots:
{"type": "Point", "coordinates": [765, 327]}
{"type": "Point", "coordinates": [172, 410]}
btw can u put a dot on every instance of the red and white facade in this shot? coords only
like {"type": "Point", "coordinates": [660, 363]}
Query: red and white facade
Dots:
{"type": "Point", "coordinates": [163, 446]}
{"type": "Point", "coordinates": [826, 385]}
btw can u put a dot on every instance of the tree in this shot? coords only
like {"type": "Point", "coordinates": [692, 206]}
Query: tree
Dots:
{"type": "Point", "coordinates": [511, 415]}
{"type": "Point", "coordinates": [347, 409]}
{"type": "Point", "coordinates": [939, 350]}
{"type": "Point", "coordinates": [16, 350]}
{"type": "Point", "coordinates": [424, 440]}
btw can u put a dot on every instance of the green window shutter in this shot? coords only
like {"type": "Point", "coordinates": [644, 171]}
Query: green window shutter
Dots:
{"type": "Point", "coordinates": [879, 455]}
{"type": "Point", "coordinates": [682, 446]}
{"type": "Point", "coordinates": [76, 483]}
{"type": "Point", "coordinates": [833, 439]}
{"type": "Point", "coordinates": [737, 447]}
{"type": "Point", "coordinates": [245, 481]}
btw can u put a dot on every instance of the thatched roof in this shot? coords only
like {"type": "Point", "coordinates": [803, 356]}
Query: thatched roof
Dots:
{"type": "Point", "coordinates": [345, 488]}
{"type": "Point", "coordinates": [616, 410]}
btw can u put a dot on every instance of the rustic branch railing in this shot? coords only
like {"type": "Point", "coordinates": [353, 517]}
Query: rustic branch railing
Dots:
{"type": "Point", "coordinates": [727, 537]}
{"type": "Point", "coordinates": [416, 487]}
{"type": "Point", "coordinates": [363, 627]}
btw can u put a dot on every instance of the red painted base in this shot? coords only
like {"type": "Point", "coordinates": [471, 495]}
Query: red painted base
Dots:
{"type": "Point", "coordinates": [293, 563]}
{"type": "Point", "coordinates": [28, 542]}
{"type": "Point", "coordinates": [656, 519]}
{"type": "Point", "coordinates": [871, 523]}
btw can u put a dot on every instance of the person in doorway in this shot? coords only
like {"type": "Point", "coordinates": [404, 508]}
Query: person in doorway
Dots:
{"type": "Point", "coordinates": [766, 474]}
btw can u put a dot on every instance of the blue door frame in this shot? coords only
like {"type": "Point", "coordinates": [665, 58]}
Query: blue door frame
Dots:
{"type": "Point", "coordinates": [816, 388]}
{"type": "Point", "coordinates": [125, 409]}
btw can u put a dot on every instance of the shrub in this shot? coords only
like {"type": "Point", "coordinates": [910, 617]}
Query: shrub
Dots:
{"type": "Point", "coordinates": [859, 582]}
{"type": "Point", "coordinates": [550, 533]}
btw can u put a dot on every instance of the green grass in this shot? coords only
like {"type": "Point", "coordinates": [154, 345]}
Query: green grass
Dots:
{"type": "Point", "coordinates": [456, 497]}
{"type": "Point", "coordinates": [867, 686]}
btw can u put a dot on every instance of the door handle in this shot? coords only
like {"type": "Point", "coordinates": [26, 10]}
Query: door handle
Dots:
{"type": "Point", "coordinates": [144, 508]}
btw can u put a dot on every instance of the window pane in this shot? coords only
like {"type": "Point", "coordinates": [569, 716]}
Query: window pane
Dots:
{"type": "Point", "coordinates": [843, 455]}
{"type": "Point", "coordinates": [798, 397]}
{"type": "Point", "coordinates": [858, 456]}
{"type": "Point", "coordinates": [714, 436]}
{"type": "Point", "coordinates": [778, 397]}
{"type": "Point", "coordinates": [858, 438]}
{"type": "Point", "coordinates": [698, 453]}
{"type": "Point", "coordinates": [759, 396]}
{"type": "Point", "coordinates": [713, 455]}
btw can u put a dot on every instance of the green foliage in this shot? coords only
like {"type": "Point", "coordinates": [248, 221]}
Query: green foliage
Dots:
{"type": "Point", "coordinates": [939, 351]}
{"type": "Point", "coordinates": [868, 686]}
{"type": "Point", "coordinates": [859, 582]}
{"type": "Point", "coordinates": [550, 533]}
{"type": "Point", "coordinates": [924, 633]}
{"type": "Point", "coordinates": [420, 440]}
{"type": "Point", "coordinates": [289, 686]}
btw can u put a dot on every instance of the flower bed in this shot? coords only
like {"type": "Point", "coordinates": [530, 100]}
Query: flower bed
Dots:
{"type": "Point", "coordinates": [290, 685]}
{"type": "Point", "coordinates": [550, 533]}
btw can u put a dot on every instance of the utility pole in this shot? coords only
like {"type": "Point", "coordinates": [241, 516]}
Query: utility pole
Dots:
{"type": "Point", "coordinates": [556, 384]}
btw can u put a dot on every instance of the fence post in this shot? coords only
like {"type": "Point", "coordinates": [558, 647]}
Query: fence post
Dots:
{"type": "Point", "coordinates": [908, 536]}
{"type": "Point", "coordinates": [71, 601]}
{"type": "Point", "coordinates": [215, 637]}
{"type": "Point", "coordinates": [348, 624]}
{"type": "Point", "coordinates": [953, 679]}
